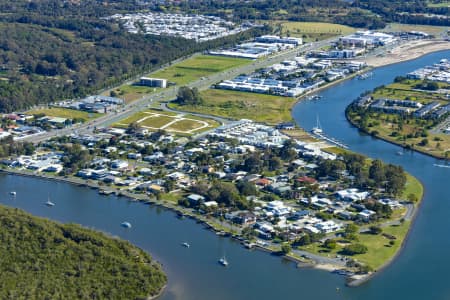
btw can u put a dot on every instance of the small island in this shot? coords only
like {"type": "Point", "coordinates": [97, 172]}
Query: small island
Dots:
{"type": "Point", "coordinates": [412, 112]}
{"type": "Point", "coordinates": [42, 259]}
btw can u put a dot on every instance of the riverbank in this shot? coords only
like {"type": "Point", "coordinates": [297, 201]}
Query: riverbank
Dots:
{"type": "Point", "coordinates": [218, 229]}
{"type": "Point", "coordinates": [408, 51]}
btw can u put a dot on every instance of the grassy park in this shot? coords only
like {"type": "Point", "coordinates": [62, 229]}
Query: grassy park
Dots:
{"type": "Point", "coordinates": [241, 105]}
{"type": "Point", "coordinates": [172, 122]}
{"type": "Point", "coordinates": [64, 113]}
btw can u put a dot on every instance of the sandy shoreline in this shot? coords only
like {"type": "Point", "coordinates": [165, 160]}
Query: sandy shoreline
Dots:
{"type": "Point", "coordinates": [408, 51]}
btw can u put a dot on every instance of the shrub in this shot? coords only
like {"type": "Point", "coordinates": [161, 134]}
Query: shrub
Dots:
{"type": "Point", "coordinates": [354, 249]}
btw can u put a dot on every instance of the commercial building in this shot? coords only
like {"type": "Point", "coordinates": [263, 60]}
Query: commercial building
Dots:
{"type": "Point", "coordinates": [367, 38]}
{"type": "Point", "coordinates": [153, 82]}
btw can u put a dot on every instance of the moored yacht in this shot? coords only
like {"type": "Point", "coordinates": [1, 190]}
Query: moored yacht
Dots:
{"type": "Point", "coordinates": [223, 261]}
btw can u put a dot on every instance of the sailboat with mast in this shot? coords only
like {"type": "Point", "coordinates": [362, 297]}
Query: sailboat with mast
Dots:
{"type": "Point", "coordinates": [49, 203]}
{"type": "Point", "coordinates": [223, 261]}
{"type": "Point", "coordinates": [317, 129]}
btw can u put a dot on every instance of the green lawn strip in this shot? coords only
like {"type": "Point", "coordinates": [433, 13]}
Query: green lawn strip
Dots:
{"type": "Point", "coordinates": [171, 197]}
{"type": "Point", "coordinates": [64, 113]}
{"type": "Point", "coordinates": [396, 27]}
{"type": "Point", "coordinates": [196, 67]}
{"type": "Point", "coordinates": [316, 248]}
{"type": "Point", "coordinates": [407, 94]}
{"type": "Point", "coordinates": [241, 105]}
{"type": "Point", "coordinates": [439, 4]}
{"type": "Point", "coordinates": [412, 186]}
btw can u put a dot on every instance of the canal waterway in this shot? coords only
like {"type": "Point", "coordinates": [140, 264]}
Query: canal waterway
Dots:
{"type": "Point", "coordinates": [418, 273]}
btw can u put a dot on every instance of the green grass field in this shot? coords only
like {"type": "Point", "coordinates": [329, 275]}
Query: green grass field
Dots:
{"type": "Point", "coordinates": [181, 73]}
{"type": "Point", "coordinates": [412, 186]}
{"type": "Point", "coordinates": [156, 121]}
{"type": "Point", "coordinates": [196, 67]}
{"type": "Point", "coordinates": [130, 93]}
{"type": "Point", "coordinates": [405, 90]}
{"type": "Point", "coordinates": [178, 123]}
{"type": "Point", "coordinates": [379, 251]}
{"type": "Point", "coordinates": [396, 27]}
{"type": "Point", "coordinates": [312, 31]}
{"type": "Point", "coordinates": [442, 3]}
{"type": "Point", "coordinates": [240, 105]}
{"type": "Point", "coordinates": [64, 113]}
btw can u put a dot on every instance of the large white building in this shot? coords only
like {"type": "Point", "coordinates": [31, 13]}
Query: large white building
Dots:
{"type": "Point", "coordinates": [367, 38]}
{"type": "Point", "coordinates": [153, 82]}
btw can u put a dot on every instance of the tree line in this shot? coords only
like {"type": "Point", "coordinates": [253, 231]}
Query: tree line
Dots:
{"type": "Point", "coordinates": [42, 259]}
{"type": "Point", "coordinates": [51, 51]}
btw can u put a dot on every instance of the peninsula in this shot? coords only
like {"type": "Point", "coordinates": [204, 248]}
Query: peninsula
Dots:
{"type": "Point", "coordinates": [412, 112]}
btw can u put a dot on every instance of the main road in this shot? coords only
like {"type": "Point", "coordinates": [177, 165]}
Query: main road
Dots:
{"type": "Point", "coordinates": [170, 93]}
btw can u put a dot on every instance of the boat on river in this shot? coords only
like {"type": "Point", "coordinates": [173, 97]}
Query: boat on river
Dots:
{"type": "Point", "coordinates": [49, 203]}
{"type": "Point", "coordinates": [223, 261]}
{"type": "Point", "coordinates": [126, 224]}
{"type": "Point", "coordinates": [317, 129]}
{"type": "Point", "coordinates": [186, 244]}
{"type": "Point", "coordinates": [441, 166]}
{"type": "Point", "coordinates": [12, 193]}
{"type": "Point", "coordinates": [365, 76]}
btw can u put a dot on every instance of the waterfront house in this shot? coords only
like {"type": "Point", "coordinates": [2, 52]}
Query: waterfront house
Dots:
{"type": "Point", "coordinates": [365, 215]}
{"type": "Point", "coordinates": [195, 199]}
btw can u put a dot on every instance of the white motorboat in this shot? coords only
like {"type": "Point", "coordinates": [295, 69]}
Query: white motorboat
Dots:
{"type": "Point", "coordinates": [126, 224]}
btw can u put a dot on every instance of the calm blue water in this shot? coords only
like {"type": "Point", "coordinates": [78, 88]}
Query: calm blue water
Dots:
{"type": "Point", "coordinates": [419, 273]}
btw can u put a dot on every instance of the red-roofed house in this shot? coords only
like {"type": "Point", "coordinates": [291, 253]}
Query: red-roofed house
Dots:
{"type": "Point", "coordinates": [263, 182]}
{"type": "Point", "coordinates": [306, 179]}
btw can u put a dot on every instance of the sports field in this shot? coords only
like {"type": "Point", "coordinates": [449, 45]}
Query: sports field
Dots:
{"type": "Point", "coordinates": [168, 121]}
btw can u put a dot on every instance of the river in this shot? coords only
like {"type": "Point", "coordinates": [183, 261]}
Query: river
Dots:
{"type": "Point", "coordinates": [418, 273]}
